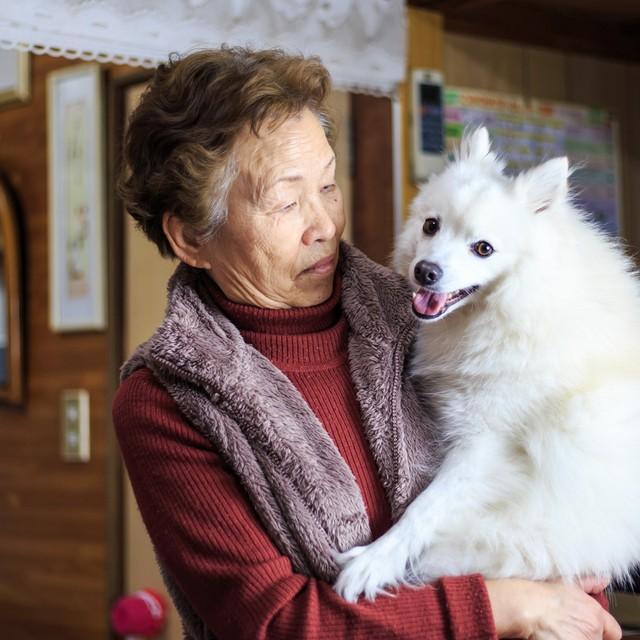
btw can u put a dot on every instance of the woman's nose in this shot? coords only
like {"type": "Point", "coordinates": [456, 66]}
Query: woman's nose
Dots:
{"type": "Point", "coordinates": [321, 226]}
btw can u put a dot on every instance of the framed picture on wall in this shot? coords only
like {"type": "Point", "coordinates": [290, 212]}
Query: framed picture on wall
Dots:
{"type": "Point", "coordinates": [11, 298]}
{"type": "Point", "coordinates": [14, 77]}
{"type": "Point", "coordinates": [77, 229]}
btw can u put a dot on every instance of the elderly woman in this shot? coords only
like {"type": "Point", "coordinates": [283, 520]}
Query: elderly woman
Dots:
{"type": "Point", "coordinates": [270, 421]}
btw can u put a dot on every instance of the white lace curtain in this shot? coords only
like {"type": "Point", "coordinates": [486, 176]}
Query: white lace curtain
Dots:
{"type": "Point", "coordinates": [362, 42]}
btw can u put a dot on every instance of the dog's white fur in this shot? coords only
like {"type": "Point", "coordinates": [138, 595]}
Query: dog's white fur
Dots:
{"type": "Point", "coordinates": [536, 381]}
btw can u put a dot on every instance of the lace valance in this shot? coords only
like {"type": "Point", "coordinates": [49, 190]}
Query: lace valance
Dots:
{"type": "Point", "coordinates": [362, 42]}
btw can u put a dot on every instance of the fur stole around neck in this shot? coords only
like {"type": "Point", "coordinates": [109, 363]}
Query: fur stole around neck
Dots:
{"type": "Point", "coordinates": [302, 489]}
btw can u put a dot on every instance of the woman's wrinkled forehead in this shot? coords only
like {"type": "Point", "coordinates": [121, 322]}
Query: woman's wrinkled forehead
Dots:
{"type": "Point", "coordinates": [285, 153]}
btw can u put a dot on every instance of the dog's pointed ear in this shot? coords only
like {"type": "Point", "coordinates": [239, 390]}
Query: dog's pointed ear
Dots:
{"type": "Point", "coordinates": [475, 145]}
{"type": "Point", "coordinates": [545, 184]}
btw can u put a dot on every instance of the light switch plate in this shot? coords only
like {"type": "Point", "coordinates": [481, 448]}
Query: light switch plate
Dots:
{"type": "Point", "coordinates": [74, 425]}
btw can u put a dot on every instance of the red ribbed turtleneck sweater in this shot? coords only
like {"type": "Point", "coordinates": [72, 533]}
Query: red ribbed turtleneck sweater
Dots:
{"type": "Point", "coordinates": [207, 534]}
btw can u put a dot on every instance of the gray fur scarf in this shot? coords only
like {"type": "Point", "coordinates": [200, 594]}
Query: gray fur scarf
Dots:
{"type": "Point", "coordinates": [302, 489]}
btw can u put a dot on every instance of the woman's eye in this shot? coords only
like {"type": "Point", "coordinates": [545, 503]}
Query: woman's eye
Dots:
{"type": "Point", "coordinates": [289, 206]}
{"type": "Point", "coordinates": [482, 248]}
{"type": "Point", "coordinates": [329, 188]}
{"type": "Point", "coordinates": [431, 226]}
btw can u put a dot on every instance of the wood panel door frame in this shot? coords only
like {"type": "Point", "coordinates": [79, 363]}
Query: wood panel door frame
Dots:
{"type": "Point", "coordinates": [116, 92]}
{"type": "Point", "coordinates": [373, 184]}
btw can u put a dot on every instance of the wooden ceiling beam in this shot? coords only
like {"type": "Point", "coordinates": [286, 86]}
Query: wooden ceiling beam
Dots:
{"type": "Point", "coordinates": [450, 6]}
{"type": "Point", "coordinates": [564, 28]}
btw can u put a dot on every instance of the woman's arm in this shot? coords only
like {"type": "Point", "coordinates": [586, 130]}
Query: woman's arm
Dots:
{"type": "Point", "coordinates": [211, 541]}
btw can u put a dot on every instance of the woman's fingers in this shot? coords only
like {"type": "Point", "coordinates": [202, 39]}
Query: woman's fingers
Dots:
{"type": "Point", "coordinates": [612, 630]}
{"type": "Point", "coordinates": [593, 584]}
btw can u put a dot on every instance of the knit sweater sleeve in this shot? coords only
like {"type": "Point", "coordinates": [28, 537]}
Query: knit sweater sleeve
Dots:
{"type": "Point", "coordinates": [210, 539]}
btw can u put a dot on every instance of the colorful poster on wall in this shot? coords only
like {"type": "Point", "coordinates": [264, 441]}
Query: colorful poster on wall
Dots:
{"type": "Point", "coordinates": [529, 133]}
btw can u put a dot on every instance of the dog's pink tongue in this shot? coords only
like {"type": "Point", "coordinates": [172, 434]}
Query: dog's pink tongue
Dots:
{"type": "Point", "coordinates": [428, 303]}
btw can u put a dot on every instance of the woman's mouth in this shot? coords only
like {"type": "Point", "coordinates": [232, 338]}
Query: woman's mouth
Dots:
{"type": "Point", "coordinates": [322, 267]}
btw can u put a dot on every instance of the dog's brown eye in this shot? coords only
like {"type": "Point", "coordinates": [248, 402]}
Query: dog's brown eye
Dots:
{"type": "Point", "coordinates": [431, 226]}
{"type": "Point", "coordinates": [482, 249]}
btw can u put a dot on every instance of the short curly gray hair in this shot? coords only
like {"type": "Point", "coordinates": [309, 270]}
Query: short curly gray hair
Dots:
{"type": "Point", "coordinates": [177, 150]}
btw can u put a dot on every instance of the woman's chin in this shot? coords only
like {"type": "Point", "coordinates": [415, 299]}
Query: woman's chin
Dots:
{"type": "Point", "coordinates": [316, 292]}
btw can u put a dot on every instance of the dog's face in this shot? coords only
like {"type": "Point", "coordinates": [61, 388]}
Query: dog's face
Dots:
{"type": "Point", "coordinates": [470, 225]}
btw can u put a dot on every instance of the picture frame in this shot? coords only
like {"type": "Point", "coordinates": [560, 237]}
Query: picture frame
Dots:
{"type": "Point", "coordinates": [12, 359]}
{"type": "Point", "coordinates": [15, 77]}
{"type": "Point", "coordinates": [77, 208]}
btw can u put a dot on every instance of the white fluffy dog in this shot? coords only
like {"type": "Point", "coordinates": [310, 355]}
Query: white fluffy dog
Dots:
{"type": "Point", "coordinates": [529, 351]}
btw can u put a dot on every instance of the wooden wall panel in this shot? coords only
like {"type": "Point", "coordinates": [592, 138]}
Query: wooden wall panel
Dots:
{"type": "Point", "coordinates": [632, 168]}
{"type": "Point", "coordinates": [598, 82]}
{"type": "Point", "coordinates": [53, 522]}
{"type": "Point", "coordinates": [605, 83]}
{"type": "Point", "coordinates": [545, 74]}
{"type": "Point", "coordinates": [490, 65]}
{"type": "Point", "coordinates": [372, 223]}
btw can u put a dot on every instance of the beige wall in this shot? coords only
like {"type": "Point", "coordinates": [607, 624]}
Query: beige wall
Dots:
{"type": "Point", "coordinates": [540, 73]}
{"type": "Point", "coordinates": [146, 275]}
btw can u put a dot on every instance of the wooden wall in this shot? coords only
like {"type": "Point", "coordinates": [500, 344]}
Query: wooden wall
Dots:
{"type": "Point", "coordinates": [544, 73]}
{"type": "Point", "coordinates": [372, 176]}
{"type": "Point", "coordinates": [54, 564]}
{"type": "Point", "coordinates": [425, 48]}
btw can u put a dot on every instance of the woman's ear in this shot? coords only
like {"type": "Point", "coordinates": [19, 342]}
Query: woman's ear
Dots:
{"type": "Point", "coordinates": [183, 247]}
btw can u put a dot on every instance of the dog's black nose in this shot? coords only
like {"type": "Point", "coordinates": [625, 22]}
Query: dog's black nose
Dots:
{"type": "Point", "coordinates": [427, 273]}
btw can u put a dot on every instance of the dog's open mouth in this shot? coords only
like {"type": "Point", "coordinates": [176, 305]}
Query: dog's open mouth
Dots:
{"type": "Point", "coordinates": [430, 305]}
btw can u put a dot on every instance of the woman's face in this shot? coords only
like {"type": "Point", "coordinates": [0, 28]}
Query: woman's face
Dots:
{"type": "Point", "coordinates": [279, 245]}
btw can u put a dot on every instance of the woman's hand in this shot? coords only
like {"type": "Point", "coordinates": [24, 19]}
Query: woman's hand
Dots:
{"type": "Point", "coordinates": [549, 611]}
